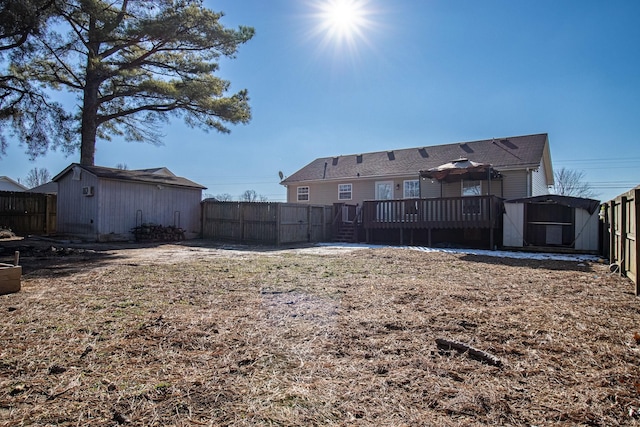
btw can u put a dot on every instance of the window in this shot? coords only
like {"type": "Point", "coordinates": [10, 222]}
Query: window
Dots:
{"type": "Point", "coordinates": [471, 188]}
{"type": "Point", "coordinates": [303, 194]}
{"type": "Point", "coordinates": [411, 189]}
{"type": "Point", "coordinates": [344, 191]}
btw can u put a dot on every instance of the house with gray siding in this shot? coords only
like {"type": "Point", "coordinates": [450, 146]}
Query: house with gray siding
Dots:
{"type": "Point", "coordinates": [524, 163]}
{"type": "Point", "coordinates": [105, 204]}
{"type": "Point", "coordinates": [392, 194]}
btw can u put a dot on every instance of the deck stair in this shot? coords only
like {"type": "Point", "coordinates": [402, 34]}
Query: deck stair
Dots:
{"type": "Point", "coordinates": [346, 233]}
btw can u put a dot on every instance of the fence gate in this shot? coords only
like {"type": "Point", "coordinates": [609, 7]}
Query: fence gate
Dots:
{"type": "Point", "coordinates": [266, 223]}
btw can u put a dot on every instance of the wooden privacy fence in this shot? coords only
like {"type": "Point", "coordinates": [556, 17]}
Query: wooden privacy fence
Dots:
{"type": "Point", "coordinates": [28, 213]}
{"type": "Point", "coordinates": [623, 246]}
{"type": "Point", "coordinates": [266, 223]}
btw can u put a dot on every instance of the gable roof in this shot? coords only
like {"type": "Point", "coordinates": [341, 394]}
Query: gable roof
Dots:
{"type": "Point", "coordinates": [516, 152]}
{"type": "Point", "coordinates": [46, 188]}
{"type": "Point", "coordinates": [151, 176]}
{"type": "Point", "coordinates": [14, 184]}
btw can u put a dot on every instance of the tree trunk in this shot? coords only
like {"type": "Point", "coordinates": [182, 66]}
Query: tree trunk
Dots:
{"type": "Point", "coordinates": [89, 126]}
{"type": "Point", "coordinates": [89, 123]}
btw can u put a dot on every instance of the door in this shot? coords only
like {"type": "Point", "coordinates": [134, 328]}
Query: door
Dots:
{"type": "Point", "coordinates": [384, 191]}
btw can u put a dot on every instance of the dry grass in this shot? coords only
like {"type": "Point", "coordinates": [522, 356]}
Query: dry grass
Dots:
{"type": "Point", "coordinates": [292, 338]}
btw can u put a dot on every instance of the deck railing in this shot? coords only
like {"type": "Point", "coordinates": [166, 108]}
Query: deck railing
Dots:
{"type": "Point", "coordinates": [449, 212]}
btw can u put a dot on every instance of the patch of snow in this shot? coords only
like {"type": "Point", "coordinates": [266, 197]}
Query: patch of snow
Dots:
{"type": "Point", "coordinates": [482, 252]}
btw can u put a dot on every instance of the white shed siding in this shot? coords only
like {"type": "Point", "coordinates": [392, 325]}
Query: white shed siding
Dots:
{"type": "Point", "coordinates": [539, 184]}
{"type": "Point", "coordinates": [77, 214]}
{"type": "Point", "coordinates": [586, 231]}
{"type": "Point", "coordinates": [126, 204]}
{"type": "Point", "coordinates": [513, 225]}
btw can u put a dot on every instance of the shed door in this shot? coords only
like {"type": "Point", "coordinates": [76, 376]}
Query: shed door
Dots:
{"type": "Point", "coordinates": [549, 224]}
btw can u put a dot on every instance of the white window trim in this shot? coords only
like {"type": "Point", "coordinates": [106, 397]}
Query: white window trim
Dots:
{"type": "Point", "coordinates": [299, 193]}
{"type": "Point", "coordinates": [404, 189]}
{"type": "Point", "coordinates": [479, 184]}
{"type": "Point", "coordinates": [343, 191]}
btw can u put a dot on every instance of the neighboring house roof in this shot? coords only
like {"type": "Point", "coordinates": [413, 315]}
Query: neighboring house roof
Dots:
{"type": "Point", "coordinates": [151, 176]}
{"type": "Point", "coordinates": [7, 184]}
{"type": "Point", "coordinates": [516, 152]}
{"type": "Point", "coordinates": [46, 188]}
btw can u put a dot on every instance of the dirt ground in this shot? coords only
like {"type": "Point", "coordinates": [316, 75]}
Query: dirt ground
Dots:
{"type": "Point", "coordinates": [206, 334]}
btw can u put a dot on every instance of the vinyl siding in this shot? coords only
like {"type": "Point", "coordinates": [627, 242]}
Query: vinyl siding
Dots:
{"type": "Point", "coordinates": [429, 189]}
{"type": "Point", "coordinates": [77, 214]}
{"type": "Point", "coordinates": [539, 184]}
{"type": "Point", "coordinates": [124, 205]}
{"type": "Point", "coordinates": [514, 184]}
{"type": "Point", "coordinates": [326, 193]}
{"type": "Point", "coordinates": [118, 206]}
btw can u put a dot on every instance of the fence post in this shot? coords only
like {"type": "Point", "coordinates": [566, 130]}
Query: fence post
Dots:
{"type": "Point", "coordinates": [278, 221]}
{"type": "Point", "coordinates": [636, 264]}
{"type": "Point", "coordinates": [308, 223]}
{"type": "Point", "coordinates": [241, 214]}
{"type": "Point", "coordinates": [612, 231]}
{"type": "Point", "coordinates": [623, 234]}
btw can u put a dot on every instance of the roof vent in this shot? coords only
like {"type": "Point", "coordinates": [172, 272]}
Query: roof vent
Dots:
{"type": "Point", "coordinates": [77, 170]}
{"type": "Point", "coordinates": [334, 162]}
{"type": "Point", "coordinates": [423, 152]}
{"type": "Point", "coordinates": [391, 155]}
{"type": "Point", "coordinates": [359, 158]}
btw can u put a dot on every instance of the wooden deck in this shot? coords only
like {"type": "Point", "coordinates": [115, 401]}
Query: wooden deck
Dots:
{"type": "Point", "coordinates": [452, 212]}
{"type": "Point", "coordinates": [476, 212]}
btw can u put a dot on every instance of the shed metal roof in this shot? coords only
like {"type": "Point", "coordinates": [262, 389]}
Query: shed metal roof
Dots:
{"type": "Point", "coordinates": [151, 176]}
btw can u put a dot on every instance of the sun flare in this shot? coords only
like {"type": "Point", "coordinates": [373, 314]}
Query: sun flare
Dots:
{"type": "Point", "coordinates": [343, 17]}
{"type": "Point", "coordinates": [342, 23]}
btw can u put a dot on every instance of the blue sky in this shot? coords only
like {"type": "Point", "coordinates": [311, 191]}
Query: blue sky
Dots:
{"type": "Point", "coordinates": [414, 73]}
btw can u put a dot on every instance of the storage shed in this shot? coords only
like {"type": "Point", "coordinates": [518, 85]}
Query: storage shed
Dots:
{"type": "Point", "coordinates": [563, 223]}
{"type": "Point", "coordinates": [105, 204]}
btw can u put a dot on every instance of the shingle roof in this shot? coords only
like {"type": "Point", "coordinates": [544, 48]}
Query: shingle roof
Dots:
{"type": "Point", "coordinates": [143, 175]}
{"type": "Point", "coordinates": [502, 153]}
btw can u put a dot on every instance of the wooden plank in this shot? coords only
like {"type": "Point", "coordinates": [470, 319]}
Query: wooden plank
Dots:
{"type": "Point", "coordinates": [10, 278]}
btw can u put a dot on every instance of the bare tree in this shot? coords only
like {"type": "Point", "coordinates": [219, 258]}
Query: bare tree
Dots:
{"type": "Point", "coordinates": [249, 196]}
{"type": "Point", "coordinates": [570, 182]}
{"type": "Point", "coordinates": [252, 196]}
{"type": "Point", "coordinates": [224, 197]}
{"type": "Point", "coordinates": [37, 177]}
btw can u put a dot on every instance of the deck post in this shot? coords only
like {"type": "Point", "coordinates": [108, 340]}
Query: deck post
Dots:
{"type": "Point", "coordinates": [491, 220]}
{"type": "Point", "coordinates": [491, 238]}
